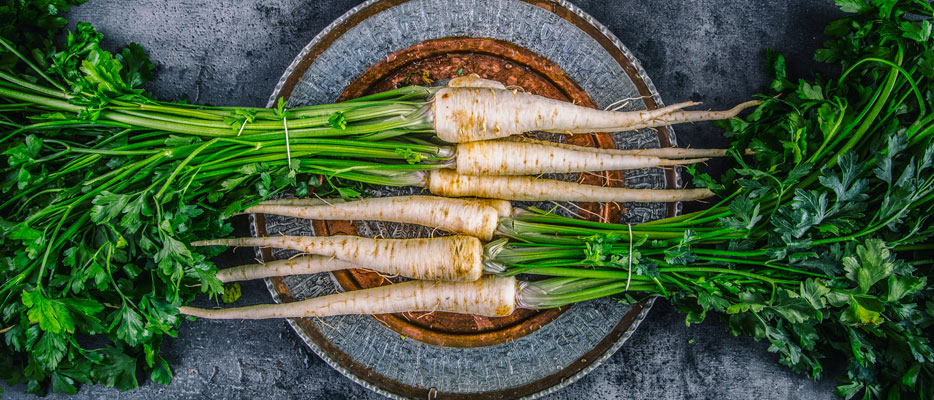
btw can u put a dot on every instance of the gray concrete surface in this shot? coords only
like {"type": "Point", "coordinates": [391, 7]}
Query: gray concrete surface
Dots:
{"type": "Point", "coordinates": [227, 52]}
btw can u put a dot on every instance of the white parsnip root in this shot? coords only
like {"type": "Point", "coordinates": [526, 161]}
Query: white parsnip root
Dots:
{"type": "Point", "coordinates": [466, 114]}
{"type": "Point", "coordinates": [660, 152]}
{"type": "Point", "coordinates": [451, 258]}
{"type": "Point", "coordinates": [523, 188]}
{"type": "Point", "coordinates": [464, 217]}
{"type": "Point", "coordinates": [304, 265]}
{"type": "Point", "coordinates": [490, 296]}
{"type": "Point", "coordinates": [500, 157]}
{"type": "Point", "coordinates": [503, 207]}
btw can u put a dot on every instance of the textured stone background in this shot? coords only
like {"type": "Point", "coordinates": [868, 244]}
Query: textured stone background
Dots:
{"type": "Point", "coordinates": [228, 52]}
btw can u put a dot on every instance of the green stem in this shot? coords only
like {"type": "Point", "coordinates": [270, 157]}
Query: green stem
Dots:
{"type": "Point", "coordinates": [732, 253]}
{"type": "Point", "coordinates": [721, 271]}
{"type": "Point", "coordinates": [40, 100]}
{"type": "Point", "coordinates": [911, 81]}
{"type": "Point", "coordinates": [761, 263]}
{"type": "Point", "coordinates": [12, 49]}
{"type": "Point", "coordinates": [914, 247]}
{"type": "Point", "coordinates": [582, 273]}
{"type": "Point", "coordinates": [876, 108]}
{"type": "Point", "coordinates": [182, 165]}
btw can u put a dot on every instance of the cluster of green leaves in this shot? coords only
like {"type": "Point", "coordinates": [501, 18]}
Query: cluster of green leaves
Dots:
{"type": "Point", "coordinates": [838, 190]}
{"type": "Point", "coordinates": [821, 244]}
{"type": "Point", "coordinates": [96, 76]}
{"type": "Point", "coordinates": [41, 321]}
{"type": "Point", "coordinates": [32, 24]}
{"type": "Point", "coordinates": [93, 267]}
{"type": "Point", "coordinates": [97, 212]}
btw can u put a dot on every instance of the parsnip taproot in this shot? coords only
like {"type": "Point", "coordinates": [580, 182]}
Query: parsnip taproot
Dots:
{"type": "Point", "coordinates": [523, 188]}
{"type": "Point", "coordinates": [466, 114]}
{"type": "Point", "coordinates": [502, 207]}
{"type": "Point", "coordinates": [451, 258]}
{"type": "Point", "coordinates": [660, 152]}
{"type": "Point", "coordinates": [498, 157]}
{"type": "Point", "coordinates": [322, 209]}
{"type": "Point", "coordinates": [491, 296]}
{"type": "Point", "coordinates": [303, 265]}
{"type": "Point", "coordinates": [466, 217]}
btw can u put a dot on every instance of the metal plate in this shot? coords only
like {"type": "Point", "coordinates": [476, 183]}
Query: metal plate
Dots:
{"type": "Point", "coordinates": [551, 48]}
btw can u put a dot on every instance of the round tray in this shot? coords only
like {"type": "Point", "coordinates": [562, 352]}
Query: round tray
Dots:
{"type": "Point", "coordinates": [548, 48]}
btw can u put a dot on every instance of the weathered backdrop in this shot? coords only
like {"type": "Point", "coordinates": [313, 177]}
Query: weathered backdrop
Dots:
{"type": "Point", "coordinates": [232, 52]}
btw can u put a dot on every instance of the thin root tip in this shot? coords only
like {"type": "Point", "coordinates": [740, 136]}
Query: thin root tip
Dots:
{"type": "Point", "coordinates": [747, 104]}
{"type": "Point", "coordinates": [684, 161]}
{"type": "Point", "coordinates": [683, 104]}
{"type": "Point", "coordinates": [195, 312]}
{"type": "Point", "coordinates": [740, 107]}
{"type": "Point", "coordinates": [202, 243]}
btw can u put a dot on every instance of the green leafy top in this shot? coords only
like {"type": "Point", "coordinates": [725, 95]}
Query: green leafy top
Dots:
{"type": "Point", "coordinates": [103, 187]}
{"type": "Point", "coordinates": [821, 244]}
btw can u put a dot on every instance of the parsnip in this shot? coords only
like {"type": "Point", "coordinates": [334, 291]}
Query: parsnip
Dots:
{"type": "Point", "coordinates": [451, 184]}
{"type": "Point", "coordinates": [490, 296]}
{"type": "Point", "coordinates": [660, 152]}
{"type": "Point", "coordinates": [499, 157]}
{"type": "Point", "coordinates": [465, 217]}
{"type": "Point", "coordinates": [452, 258]}
{"type": "Point", "coordinates": [304, 265]}
{"type": "Point", "coordinates": [503, 207]}
{"type": "Point", "coordinates": [466, 114]}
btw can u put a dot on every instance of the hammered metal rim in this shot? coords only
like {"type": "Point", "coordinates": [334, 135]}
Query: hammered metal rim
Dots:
{"type": "Point", "coordinates": [675, 179]}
